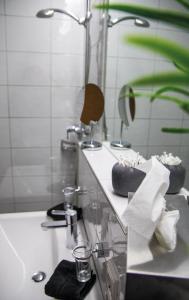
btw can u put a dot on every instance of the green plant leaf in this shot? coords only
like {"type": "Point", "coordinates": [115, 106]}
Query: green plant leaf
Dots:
{"type": "Point", "coordinates": [176, 78]}
{"type": "Point", "coordinates": [169, 16]}
{"type": "Point", "coordinates": [168, 49]}
{"type": "Point", "coordinates": [185, 107]}
{"type": "Point", "coordinates": [185, 3]}
{"type": "Point", "coordinates": [179, 67]}
{"type": "Point", "coordinates": [168, 89]}
{"type": "Point", "coordinates": [175, 130]}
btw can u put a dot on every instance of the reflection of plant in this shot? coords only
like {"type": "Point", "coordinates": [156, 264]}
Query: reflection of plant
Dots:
{"type": "Point", "coordinates": [175, 81]}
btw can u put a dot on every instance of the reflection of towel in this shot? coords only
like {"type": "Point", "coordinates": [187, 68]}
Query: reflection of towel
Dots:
{"type": "Point", "coordinates": [63, 284]}
{"type": "Point", "coordinates": [146, 212]}
{"type": "Point", "coordinates": [61, 207]}
{"type": "Point", "coordinates": [166, 232]}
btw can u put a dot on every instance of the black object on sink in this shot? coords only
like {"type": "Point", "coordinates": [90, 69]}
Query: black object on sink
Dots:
{"type": "Point", "coordinates": [63, 283]}
{"type": "Point", "coordinates": [61, 207]}
{"type": "Point", "coordinates": [126, 179]}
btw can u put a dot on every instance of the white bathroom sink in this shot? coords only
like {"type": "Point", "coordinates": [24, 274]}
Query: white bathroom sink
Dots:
{"type": "Point", "coordinates": [25, 249]}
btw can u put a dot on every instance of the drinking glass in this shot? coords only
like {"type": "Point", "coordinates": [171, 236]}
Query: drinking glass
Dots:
{"type": "Point", "coordinates": [82, 253]}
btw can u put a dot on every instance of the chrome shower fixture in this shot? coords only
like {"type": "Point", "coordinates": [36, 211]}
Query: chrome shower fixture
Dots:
{"type": "Point", "coordinates": [140, 22]}
{"type": "Point", "coordinates": [49, 13]}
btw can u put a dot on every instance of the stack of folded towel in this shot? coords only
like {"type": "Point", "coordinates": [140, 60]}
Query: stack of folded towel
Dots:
{"type": "Point", "coordinates": [64, 285]}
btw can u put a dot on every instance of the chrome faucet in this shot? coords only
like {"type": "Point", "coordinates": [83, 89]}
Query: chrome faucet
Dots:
{"type": "Point", "coordinates": [70, 222]}
{"type": "Point", "coordinates": [79, 130]}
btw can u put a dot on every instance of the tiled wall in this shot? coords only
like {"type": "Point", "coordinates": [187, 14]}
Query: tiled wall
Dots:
{"type": "Point", "coordinates": [41, 79]}
{"type": "Point", "coordinates": [126, 62]}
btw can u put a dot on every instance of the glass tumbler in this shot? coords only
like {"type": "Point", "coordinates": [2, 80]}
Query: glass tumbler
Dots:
{"type": "Point", "coordinates": [82, 253]}
{"type": "Point", "coordinates": [69, 197]}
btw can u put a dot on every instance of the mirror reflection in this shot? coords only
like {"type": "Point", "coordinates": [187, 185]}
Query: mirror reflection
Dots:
{"type": "Point", "coordinates": [127, 62]}
{"type": "Point", "coordinates": [43, 78]}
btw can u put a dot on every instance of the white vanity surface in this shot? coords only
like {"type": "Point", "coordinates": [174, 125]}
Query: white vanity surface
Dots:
{"type": "Point", "coordinates": [101, 163]}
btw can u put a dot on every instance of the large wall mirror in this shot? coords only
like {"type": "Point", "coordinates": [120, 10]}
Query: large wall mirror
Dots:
{"type": "Point", "coordinates": [126, 62]}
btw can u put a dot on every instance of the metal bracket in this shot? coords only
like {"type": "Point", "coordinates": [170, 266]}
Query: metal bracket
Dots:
{"type": "Point", "coordinates": [101, 249]}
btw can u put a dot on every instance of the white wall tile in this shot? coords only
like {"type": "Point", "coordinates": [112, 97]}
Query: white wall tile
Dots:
{"type": "Point", "coordinates": [3, 102]}
{"type": "Point", "coordinates": [110, 127]}
{"type": "Point", "coordinates": [65, 102]}
{"type": "Point", "coordinates": [2, 33]}
{"type": "Point", "coordinates": [166, 110]}
{"type": "Point", "coordinates": [142, 150]}
{"type": "Point", "coordinates": [33, 206]}
{"type": "Point", "coordinates": [28, 34]}
{"type": "Point", "coordinates": [60, 182]}
{"type": "Point", "coordinates": [2, 8]}
{"type": "Point", "coordinates": [163, 66]}
{"type": "Point", "coordinates": [25, 7]}
{"type": "Point", "coordinates": [30, 132]}
{"type": "Point", "coordinates": [31, 189]}
{"type": "Point", "coordinates": [67, 37]}
{"type": "Point", "coordinates": [185, 137]}
{"type": "Point", "coordinates": [6, 190]}
{"type": "Point", "coordinates": [31, 162]}
{"type": "Point", "coordinates": [63, 163]}
{"type": "Point", "coordinates": [183, 154]}
{"type": "Point", "coordinates": [3, 68]}
{"type": "Point", "coordinates": [111, 72]}
{"type": "Point", "coordinates": [5, 162]}
{"type": "Point", "coordinates": [4, 133]}
{"type": "Point", "coordinates": [113, 41]}
{"type": "Point", "coordinates": [67, 70]}
{"type": "Point", "coordinates": [130, 69]}
{"type": "Point", "coordinates": [186, 183]}
{"type": "Point", "coordinates": [128, 50]}
{"type": "Point", "coordinates": [154, 3]}
{"type": "Point", "coordinates": [7, 207]}
{"type": "Point", "coordinates": [76, 7]}
{"type": "Point", "coordinates": [94, 75]}
{"type": "Point", "coordinates": [136, 134]}
{"type": "Point", "coordinates": [29, 101]}
{"type": "Point", "coordinates": [143, 106]}
{"type": "Point", "coordinates": [28, 69]}
{"type": "Point", "coordinates": [159, 138]}
{"type": "Point", "coordinates": [59, 130]}
{"type": "Point", "coordinates": [111, 102]}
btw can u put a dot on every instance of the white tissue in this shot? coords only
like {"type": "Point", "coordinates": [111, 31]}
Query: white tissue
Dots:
{"type": "Point", "coordinates": [165, 232]}
{"type": "Point", "coordinates": [145, 208]}
{"type": "Point", "coordinates": [146, 214]}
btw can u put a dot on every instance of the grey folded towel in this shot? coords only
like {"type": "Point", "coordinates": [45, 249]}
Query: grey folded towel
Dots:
{"type": "Point", "coordinates": [64, 285]}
